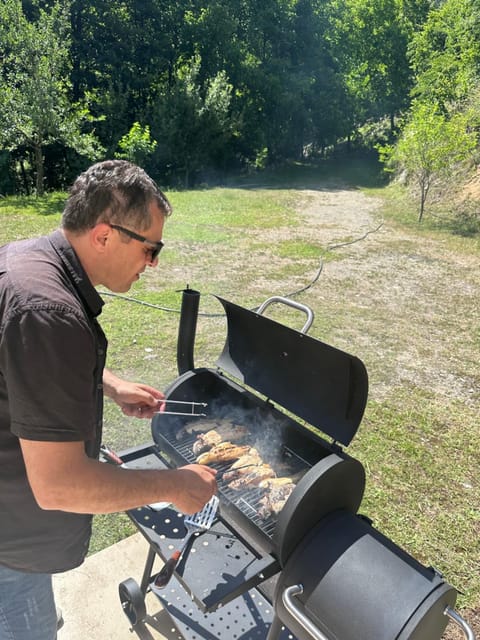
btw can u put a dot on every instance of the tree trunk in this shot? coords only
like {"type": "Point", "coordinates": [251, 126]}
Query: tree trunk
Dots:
{"type": "Point", "coordinates": [26, 186]}
{"type": "Point", "coordinates": [424, 188]}
{"type": "Point", "coordinates": [422, 205]}
{"type": "Point", "coordinates": [40, 169]}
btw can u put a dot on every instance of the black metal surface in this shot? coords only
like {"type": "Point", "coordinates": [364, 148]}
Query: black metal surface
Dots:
{"type": "Point", "coordinates": [187, 330]}
{"type": "Point", "coordinates": [320, 384]}
{"type": "Point", "coordinates": [335, 483]}
{"type": "Point", "coordinates": [289, 447]}
{"type": "Point", "coordinates": [345, 565]}
{"type": "Point", "coordinates": [247, 618]}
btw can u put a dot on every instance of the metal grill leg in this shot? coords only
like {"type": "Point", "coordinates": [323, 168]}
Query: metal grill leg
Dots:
{"type": "Point", "coordinates": [147, 572]}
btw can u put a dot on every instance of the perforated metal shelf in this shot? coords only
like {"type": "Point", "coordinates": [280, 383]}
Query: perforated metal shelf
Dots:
{"type": "Point", "coordinates": [248, 617]}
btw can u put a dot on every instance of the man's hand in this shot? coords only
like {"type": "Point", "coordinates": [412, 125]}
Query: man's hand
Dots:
{"type": "Point", "coordinates": [196, 485]}
{"type": "Point", "coordinates": [134, 398]}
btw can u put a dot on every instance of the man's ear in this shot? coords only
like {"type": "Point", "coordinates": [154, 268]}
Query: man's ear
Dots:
{"type": "Point", "coordinates": [100, 236]}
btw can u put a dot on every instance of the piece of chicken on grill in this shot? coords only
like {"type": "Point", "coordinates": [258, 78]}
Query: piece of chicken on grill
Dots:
{"type": "Point", "coordinates": [223, 452]}
{"type": "Point", "coordinates": [196, 426]}
{"type": "Point", "coordinates": [245, 464]}
{"type": "Point", "coordinates": [269, 483]}
{"type": "Point", "coordinates": [251, 458]}
{"type": "Point", "coordinates": [250, 476]}
{"type": "Point", "coordinates": [274, 501]}
{"type": "Point", "coordinates": [222, 433]}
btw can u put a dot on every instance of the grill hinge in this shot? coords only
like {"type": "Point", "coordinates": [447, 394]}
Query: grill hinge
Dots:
{"type": "Point", "coordinates": [336, 448]}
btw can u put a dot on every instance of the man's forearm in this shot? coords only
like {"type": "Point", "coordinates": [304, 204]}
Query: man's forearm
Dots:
{"type": "Point", "coordinates": [110, 383]}
{"type": "Point", "coordinates": [102, 488]}
{"type": "Point", "coordinates": [63, 478]}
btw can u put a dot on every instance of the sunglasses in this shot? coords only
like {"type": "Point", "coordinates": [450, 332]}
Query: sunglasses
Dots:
{"type": "Point", "coordinates": [155, 247]}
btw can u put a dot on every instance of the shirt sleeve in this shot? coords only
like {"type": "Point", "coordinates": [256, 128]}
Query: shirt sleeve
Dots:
{"type": "Point", "coordinates": [48, 360]}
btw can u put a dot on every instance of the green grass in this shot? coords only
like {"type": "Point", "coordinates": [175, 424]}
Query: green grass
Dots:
{"type": "Point", "coordinates": [434, 514]}
{"type": "Point", "coordinates": [420, 448]}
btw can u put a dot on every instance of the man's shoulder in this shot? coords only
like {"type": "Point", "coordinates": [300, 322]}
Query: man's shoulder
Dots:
{"type": "Point", "coordinates": [32, 276]}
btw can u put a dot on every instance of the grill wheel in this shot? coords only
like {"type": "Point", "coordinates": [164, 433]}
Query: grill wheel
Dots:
{"type": "Point", "coordinates": [132, 600]}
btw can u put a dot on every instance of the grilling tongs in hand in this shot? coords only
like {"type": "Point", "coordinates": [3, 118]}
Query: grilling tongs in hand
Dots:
{"type": "Point", "coordinates": [200, 521]}
{"type": "Point", "coordinates": [195, 408]}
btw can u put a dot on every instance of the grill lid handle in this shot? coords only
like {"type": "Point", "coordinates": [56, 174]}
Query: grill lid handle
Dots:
{"type": "Point", "coordinates": [299, 616]}
{"type": "Point", "coordinates": [294, 305]}
{"type": "Point", "coordinates": [460, 622]}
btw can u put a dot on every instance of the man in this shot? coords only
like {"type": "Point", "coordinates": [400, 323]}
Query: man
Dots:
{"type": "Point", "coordinates": [52, 381]}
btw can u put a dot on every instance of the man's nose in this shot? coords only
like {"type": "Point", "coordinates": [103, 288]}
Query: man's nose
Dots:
{"type": "Point", "coordinates": [152, 263]}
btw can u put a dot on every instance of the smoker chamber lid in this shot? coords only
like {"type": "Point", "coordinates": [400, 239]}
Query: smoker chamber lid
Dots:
{"type": "Point", "coordinates": [320, 384]}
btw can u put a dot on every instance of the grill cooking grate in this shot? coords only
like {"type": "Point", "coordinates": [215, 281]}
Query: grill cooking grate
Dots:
{"type": "Point", "coordinates": [247, 500]}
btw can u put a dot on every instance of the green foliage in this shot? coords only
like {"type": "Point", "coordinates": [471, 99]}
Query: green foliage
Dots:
{"type": "Point", "coordinates": [193, 120]}
{"type": "Point", "coordinates": [226, 84]}
{"type": "Point", "coordinates": [372, 39]}
{"type": "Point", "coordinates": [445, 54]}
{"type": "Point", "coordinates": [430, 145]}
{"type": "Point", "coordinates": [137, 145]}
{"type": "Point", "coordinates": [35, 106]}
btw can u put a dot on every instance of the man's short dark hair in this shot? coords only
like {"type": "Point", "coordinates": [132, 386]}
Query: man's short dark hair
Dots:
{"type": "Point", "coordinates": [112, 191]}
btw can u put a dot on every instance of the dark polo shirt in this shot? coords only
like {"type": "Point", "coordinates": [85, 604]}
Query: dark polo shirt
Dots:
{"type": "Point", "coordinates": [52, 355]}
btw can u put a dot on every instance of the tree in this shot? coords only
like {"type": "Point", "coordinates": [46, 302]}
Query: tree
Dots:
{"type": "Point", "coordinates": [35, 108]}
{"type": "Point", "coordinates": [430, 145]}
{"type": "Point", "coordinates": [193, 121]}
{"type": "Point", "coordinates": [137, 145]}
{"type": "Point", "coordinates": [371, 40]}
{"type": "Point", "coordinates": [445, 54]}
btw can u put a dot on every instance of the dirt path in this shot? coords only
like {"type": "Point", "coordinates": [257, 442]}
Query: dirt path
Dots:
{"type": "Point", "coordinates": [410, 305]}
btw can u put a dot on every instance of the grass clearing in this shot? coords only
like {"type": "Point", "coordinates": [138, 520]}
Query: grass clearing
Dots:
{"type": "Point", "coordinates": [404, 299]}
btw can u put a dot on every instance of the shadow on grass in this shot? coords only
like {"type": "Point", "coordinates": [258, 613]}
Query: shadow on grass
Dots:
{"type": "Point", "coordinates": [462, 219]}
{"type": "Point", "coordinates": [341, 172]}
{"type": "Point", "coordinates": [46, 205]}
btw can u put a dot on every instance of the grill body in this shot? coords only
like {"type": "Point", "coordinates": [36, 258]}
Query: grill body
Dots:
{"type": "Point", "coordinates": [287, 445]}
{"type": "Point", "coordinates": [316, 569]}
{"type": "Point", "coordinates": [356, 584]}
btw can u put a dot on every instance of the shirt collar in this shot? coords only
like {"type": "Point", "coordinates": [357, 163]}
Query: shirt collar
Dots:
{"type": "Point", "coordinates": [76, 272]}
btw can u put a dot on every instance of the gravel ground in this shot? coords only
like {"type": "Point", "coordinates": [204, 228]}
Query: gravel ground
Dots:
{"type": "Point", "coordinates": [411, 305]}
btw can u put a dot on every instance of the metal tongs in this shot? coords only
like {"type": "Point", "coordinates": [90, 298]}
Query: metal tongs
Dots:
{"type": "Point", "coordinates": [194, 406]}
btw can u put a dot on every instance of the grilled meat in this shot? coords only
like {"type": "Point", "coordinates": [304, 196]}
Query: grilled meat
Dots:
{"type": "Point", "coordinates": [251, 458]}
{"type": "Point", "coordinates": [221, 433]}
{"type": "Point", "coordinates": [270, 483]}
{"type": "Point", "coordinates": [242, 472]}
{"type": "Point", "coordinates": [223, 452]}
{"type": "Point", "coordinates": [206, 441]}
{"type": "Point", "coordinates": [274, 501]}
{"type": "Point", "coordinates": [244, 465]}
{"type": "Point", "coordinates": [250, 477]}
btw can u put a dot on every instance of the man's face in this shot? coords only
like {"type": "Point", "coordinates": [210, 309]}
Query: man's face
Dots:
{"type": "Point", "coordinates": [128, 260]}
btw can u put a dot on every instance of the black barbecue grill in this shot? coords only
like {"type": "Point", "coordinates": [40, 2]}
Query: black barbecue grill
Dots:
{"type": "Point", "coordinates": [303, 570]}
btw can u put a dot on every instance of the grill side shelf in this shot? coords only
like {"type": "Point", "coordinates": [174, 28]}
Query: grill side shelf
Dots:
{"type": "Point", "coordinates": [221, 564]}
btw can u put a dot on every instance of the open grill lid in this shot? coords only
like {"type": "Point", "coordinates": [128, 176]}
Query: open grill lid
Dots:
{"type": "Point", "coordinates": [320, 384]}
